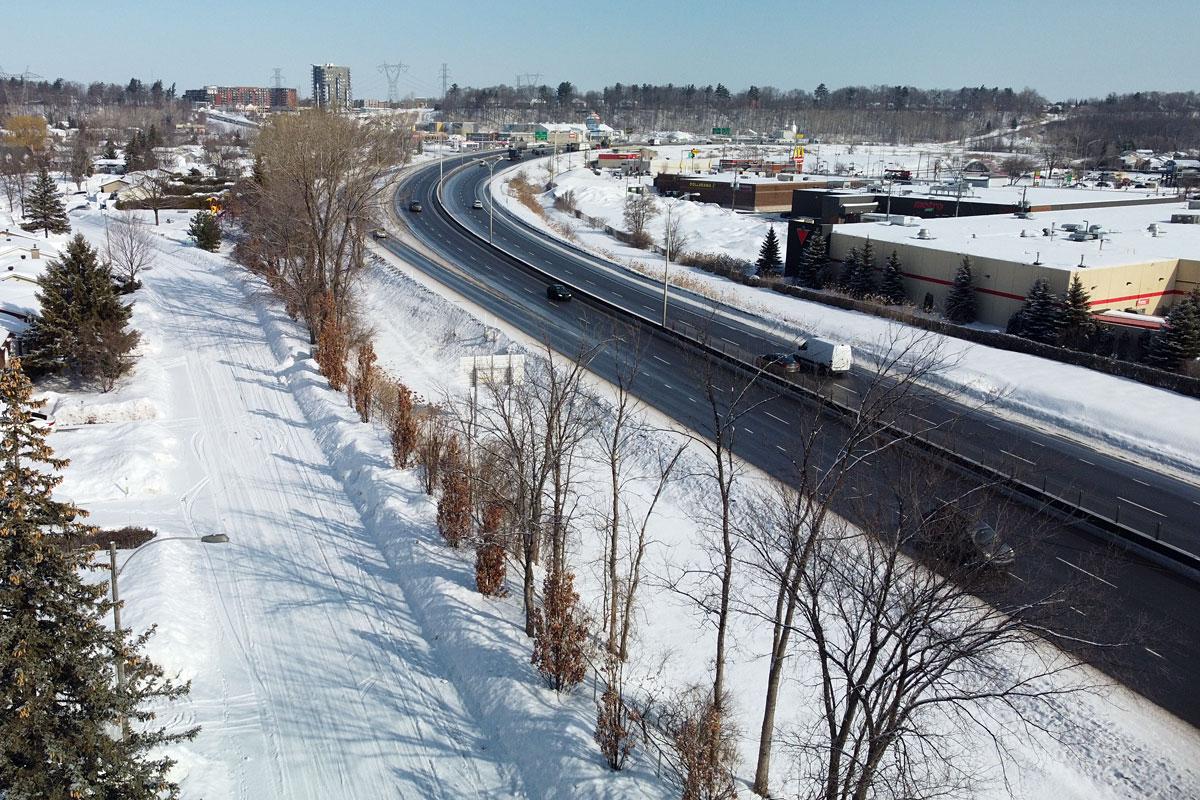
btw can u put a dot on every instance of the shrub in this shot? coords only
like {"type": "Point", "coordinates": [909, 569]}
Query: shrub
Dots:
{"type": "Point", "coordinates": [127, 538]}
{"type": "Point", "coordinates": [616, 722]}
{"type": "Point", "coordinates": [490, 565]}
{"type": "Point", "coordinates": [404, 427]}
{"type": "Point", "coordinates": [454, 506]}
{"type": "Point", "coordinates": [560, 633]}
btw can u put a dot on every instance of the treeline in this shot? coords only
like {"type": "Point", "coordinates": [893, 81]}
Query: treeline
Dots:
{"type": "Point", "coordinates": [16, 92]}
{"type": "Point", "coordinates": [891, 112]}
{"type": "Point", "coordinates": [1103, 129]}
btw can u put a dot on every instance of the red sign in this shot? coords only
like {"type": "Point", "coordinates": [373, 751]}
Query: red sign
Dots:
{"type": "Point", "coordinates": [1143, 302]}
{"type": "Point", "coordinates": [618, 156]}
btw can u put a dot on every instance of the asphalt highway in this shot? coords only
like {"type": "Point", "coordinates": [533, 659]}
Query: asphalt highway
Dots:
{"type": "Point", "coordinates": [1115, 594]}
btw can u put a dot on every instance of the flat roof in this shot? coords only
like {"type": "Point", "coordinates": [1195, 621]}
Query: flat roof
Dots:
{"type": "Point", "coordinates": [1128, 240]}
{"type": "Point", "coordinates": [1012, 195]}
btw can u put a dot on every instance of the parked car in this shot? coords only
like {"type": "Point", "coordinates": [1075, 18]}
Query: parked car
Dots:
{"type": "Point", "coordinates": [556, 291]}
{"type": "Point", "coordinates": [950, 534]}
{"type": "Point", "coordinates": [478, 204]}
{"type": "Point", "coordinates": [414, 206]}
{"type": "Point", "coordinates": [777, 363]}
{"type": "Point", "coordinates": [379, 233]}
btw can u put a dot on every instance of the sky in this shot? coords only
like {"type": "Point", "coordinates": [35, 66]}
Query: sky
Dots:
{"type": "Point", "coordinates": [1061, 48]}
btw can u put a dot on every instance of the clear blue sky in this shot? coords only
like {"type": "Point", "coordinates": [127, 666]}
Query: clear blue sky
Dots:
{"type": "Point", "coordinates": [1062, 48]}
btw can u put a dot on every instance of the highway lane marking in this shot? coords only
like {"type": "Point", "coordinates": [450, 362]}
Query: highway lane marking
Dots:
{"type": "Point", "coordinates": [780, 448]}
{"type": "Point", "coordinates": [667, 385]}
{"type": "Point", "coordinates": [1089, 463]}
{"type": "Point", "coordinates": [927, 422]}
{"type": "Point", "coordinates": [747, 430]}
{"type": "Point", "coordinates": [848, 389]}
{"type": "Point", "coordinates": [1142, 507]}
{"type": "Point", "coordinates": [1036, 442]}
{"type": "Point", "coordinates": [1135, 480]}
{"type": "Point", "coordinates": [777, 419]}
{"type": "Point", "coordinates": [1077, 611]}
{"type": "Point", "coordinates": [1151, 652]}
{"type": "Point", "coordinates": [993, 427]}
{"type": "Point", "coordinates": [526, 288]}
{"type": "Point", "coordinates": [731, 341]}
{"type": "Point", "coordinates": [590, 281]}
{"type": "Point", "coordinates": [1085, 572]}
{"type": "Point", "coordinates": [1014, 455]}
{"type": "Point", "coordinates": [1015, 575]}
{"type": "Point", "coordinates": [663, 360]}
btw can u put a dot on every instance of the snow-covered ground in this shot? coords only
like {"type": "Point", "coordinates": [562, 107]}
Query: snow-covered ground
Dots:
{"type": "Point", "coordinates": [1104, 410]}
{"type": "Point", "coordinates": [336, 647]}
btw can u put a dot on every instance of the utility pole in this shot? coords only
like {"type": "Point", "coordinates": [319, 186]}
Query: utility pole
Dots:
{"type": "Point", "coordinates": [392, 73]}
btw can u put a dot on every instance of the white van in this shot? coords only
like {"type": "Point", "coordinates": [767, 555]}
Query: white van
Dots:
{"type": "Point", "coordinates": [831, 357]}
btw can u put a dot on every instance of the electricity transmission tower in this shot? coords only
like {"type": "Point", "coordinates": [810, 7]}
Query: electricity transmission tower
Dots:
{"type": "Point", "coordinates": [445, 73]}
{"type": "Point", "coordinates": [392, 73]}
{"type": "Point", "coordinates": [24, 77]}
{"type": "Point", "coordinates": [277, 78]}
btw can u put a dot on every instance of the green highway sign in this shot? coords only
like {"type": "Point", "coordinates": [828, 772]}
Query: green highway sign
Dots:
{"type": "Point", "coordinates": [541, 136]}
{"type": "Point", "coordinates": [720, 131]}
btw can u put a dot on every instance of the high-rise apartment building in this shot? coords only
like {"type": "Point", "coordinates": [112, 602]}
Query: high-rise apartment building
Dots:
{"type": "Point", "coordinates": [331, 87]}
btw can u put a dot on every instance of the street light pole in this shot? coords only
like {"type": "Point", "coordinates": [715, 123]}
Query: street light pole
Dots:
{"type": "Point", "coordinates": [491, 200]}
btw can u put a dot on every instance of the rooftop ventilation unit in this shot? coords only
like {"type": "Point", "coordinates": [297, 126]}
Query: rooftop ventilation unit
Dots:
{"type": "Point", "coordinates": [924, 234]}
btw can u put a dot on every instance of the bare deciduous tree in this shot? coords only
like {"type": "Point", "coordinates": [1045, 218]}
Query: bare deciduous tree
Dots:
{"type": "Point", "coordinates": [533, 429]}
{"type": "Point", "coordinates": [312, 200]}
{"type": "Point", "coordinates": [128, 247]}
{"type": "Point", "coordinates": [788, 520]}
{"type": "Point", "coordinates": [638, 211]}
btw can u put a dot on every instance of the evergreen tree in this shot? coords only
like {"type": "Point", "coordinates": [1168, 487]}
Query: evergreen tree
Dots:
{"type": "Point", "coordinates": [769, 262]}
{"type": "Point", "coordinates": [44, 207]}
{"type": "Point", "coordinates": [1179, 339]}
{"type": "Point", "coordinates": [110, 149]}
{"type": "Point", "coordinates": [206, 231]}
{"type": "Point", "coordinates": [1078, 326]}
{"type": "Point", "coordinates": [1041, 316]}
{"type": "Point", "coordinates": [813, 259]}
{"type": "Point", "coordinates": [82, 328]}
{"type": "Point", "coordinates": [60, 709]}
{"type": "Point", "coordinates": [862, 278]}
{"type": "Point", "coordinates": [891, 287]}
{"type": "Point", "coordinates": [960, 303]}
{"type": "Point", "coordinates": [848, 268]}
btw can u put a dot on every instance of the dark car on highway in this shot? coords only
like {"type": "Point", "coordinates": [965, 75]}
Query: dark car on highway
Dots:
{"type": "Point", "coordinates": [556, 291]}
{"type": "Point", "coordinates": [952, 535]}
{"type": "Point", "coordinates": [414, 206]}
{"type": "Point", "coordinates": [778, 363]}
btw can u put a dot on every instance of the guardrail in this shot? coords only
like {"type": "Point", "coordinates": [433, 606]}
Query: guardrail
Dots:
{"type": "Point", "coordinates": [1152, 545]}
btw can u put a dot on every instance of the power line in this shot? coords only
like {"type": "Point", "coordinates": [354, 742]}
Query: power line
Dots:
{"type": "Point", "coordinates": [392, 73]}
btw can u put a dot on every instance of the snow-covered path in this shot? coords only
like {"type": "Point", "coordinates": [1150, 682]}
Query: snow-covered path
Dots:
{"type": "Point", "coordinates": [311, 678]}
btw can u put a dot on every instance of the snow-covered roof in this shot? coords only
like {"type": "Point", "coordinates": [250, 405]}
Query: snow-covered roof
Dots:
{"type": "Point", "coordinates": [1128, 239]}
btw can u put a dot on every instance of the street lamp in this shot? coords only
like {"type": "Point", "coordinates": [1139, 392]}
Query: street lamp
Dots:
{"type": "Point", "coordinates": [667, 252]}
{"type": "Point", "coordinates": [491, 165]}
{"type": "Point", "coordinates": [114, 571]}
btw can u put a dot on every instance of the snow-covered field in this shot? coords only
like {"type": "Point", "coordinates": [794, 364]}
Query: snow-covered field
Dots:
{"type": "Point", "coordinates": [336, 647]}
{"type": "Point", "coordinates": [1104, 410]}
